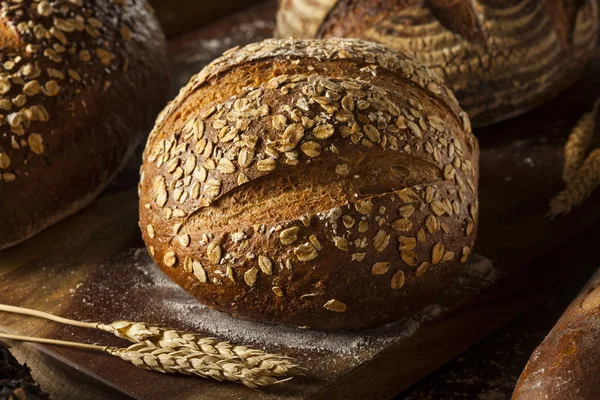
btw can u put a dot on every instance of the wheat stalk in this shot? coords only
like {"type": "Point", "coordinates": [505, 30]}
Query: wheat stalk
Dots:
{"type": "Point", "coordinates": [172, 339]}
{"type": "Point", "coordinates": [579, 142]}
{"type": "Point", "coordinates": [187, 362]}
{"type": "Point", "coordinates": [580, 188]}
{"type": "Point", "coordinates": [260, 363]}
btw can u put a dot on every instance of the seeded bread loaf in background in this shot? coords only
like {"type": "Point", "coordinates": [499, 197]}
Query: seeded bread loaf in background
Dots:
{"type": "Point", "coordinates": [500, 57]}
{"type": "Point", "coordinates": [81, 81]}
{"type": "Point", "coordinates": [565, 366]}
{"type": "Point", "coordinates": [329, 184]}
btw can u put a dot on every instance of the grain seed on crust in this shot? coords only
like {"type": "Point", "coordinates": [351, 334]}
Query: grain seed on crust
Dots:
{"type": "Point", "coordinates": [335, 305]}
{"type": "Point", "coordinates": [292, 135]}
{"type": "Point", "coordinates": [466, 252]}
{"type": "Point", "coordinates": [409, 257]}
{"type": "Point", "coordinates": [380, 268]}
{"type": "Point", "coordinates": [402, 225]}
{"type": "Point", "coordinates": [323, 131]}
{"type": "Point", "coordinates": [364, 207]}
{"type": "Point", "coordinates": [422, 268]}
{"type": "Point", "coordinates": [306, 252]}
{"type": "Point", "coordinates": [184, 240]}
{"type": "Point", "coordinates": [315, 242]}
{"type": "Point", "coordinates": [348, 221]}
{"type": "Point", "coordinates": [226, 166]}
{"type": "Point", "coordinates": [214, 253]}
{"type": "Point", "coordinates": [398, 280]}
{"type": "Point", "coordinates": [432, 224]}
{"type": "Point", "coordinates": [407, 243]}
{"type": "Point", "coordinates": [363, 226]}
{"type": "Point", "coordinates": [406, 211]}
{"type": "Point", "coordinates": [437, 253]}
{"type": "Point", "coordinates": [341, 243]}
{"type": "Point", "coordinates": [199, 271]}
{"type": "Point", "coordinates": [170, 259]}
{"type": "Point", "coordinates": [311, 149]}
{"type": "Point", "coordinates": [250, 276]}
{"type": "Point", "coordinates": [381, 241]}
{"type": "Point", "coordinates": [265, 264]}
{"type": "Point", "coordinates": [267, 165]}
{"type": "Point", "coordinates": [289, 236]}
{"type": "Point", "coordinates": [212, 188]}
{"type": "Point", "coordinates": [438, 208]}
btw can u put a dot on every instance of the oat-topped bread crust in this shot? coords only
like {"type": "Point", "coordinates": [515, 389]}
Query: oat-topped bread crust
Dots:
{"type": "Point", "coordinates": [500, 57]}
{"type": "Point", "coordinates": [330, 184]}
{"type": "Point", "coordinates": [80, 82]}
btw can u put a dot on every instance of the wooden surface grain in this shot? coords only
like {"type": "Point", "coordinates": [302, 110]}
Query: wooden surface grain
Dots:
{"type": "Point", "coordinates": [92, 266]}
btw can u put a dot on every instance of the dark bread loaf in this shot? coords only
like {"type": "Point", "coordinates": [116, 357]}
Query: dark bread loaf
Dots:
{"type": "Point", "coordinates": [500, 57]}
{"type": "Point", "coordinates": [16, 382]}
{"type": "Point", "coordinates": [330, 184]}
{"type": "Point", "coordinates": [81, 81]}
{"type": "Point", "coordinates": [566, 365]}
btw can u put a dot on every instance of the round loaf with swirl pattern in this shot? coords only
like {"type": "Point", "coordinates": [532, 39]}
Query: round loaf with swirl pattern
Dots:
{"type": "Point", "coordinates": [327, 184]}
{"type": "Point", "coordinates": [81, 82]}
{"type": "Point", "coordinates": [500, 57]}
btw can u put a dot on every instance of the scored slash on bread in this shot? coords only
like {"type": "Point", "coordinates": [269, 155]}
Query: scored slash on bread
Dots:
{"type": "Point", "coordinates": [330, 184]}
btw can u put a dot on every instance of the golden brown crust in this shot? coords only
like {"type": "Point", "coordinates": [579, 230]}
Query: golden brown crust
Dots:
{"type": "Point", "coordinates": [565, 365]}
{"type": "Point", "coordinates": [501, 58]}
{"type": "Point", "coordinates": [327, 184]}
{"type": "Point", "coordinates": [80, 81]}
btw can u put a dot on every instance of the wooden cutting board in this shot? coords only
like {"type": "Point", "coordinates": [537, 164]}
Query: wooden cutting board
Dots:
{"type": "Point", "coordinates": [92, 266]}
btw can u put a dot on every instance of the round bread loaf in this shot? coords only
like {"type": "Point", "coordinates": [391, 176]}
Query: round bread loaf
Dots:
{"type": "Point", "coordinates": [81, 81]}
{"type": "Point", "coordinates": [500, 57]}
{"type": "Point", "coordinates": [328, 184]}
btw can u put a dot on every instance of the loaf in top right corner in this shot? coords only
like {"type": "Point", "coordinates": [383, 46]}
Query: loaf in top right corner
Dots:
{"type": "Point", "coordinates": [501, 58]}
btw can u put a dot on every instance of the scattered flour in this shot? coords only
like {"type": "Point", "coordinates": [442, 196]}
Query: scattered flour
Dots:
{"type": "Point", "coordinates": [166, 303]}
